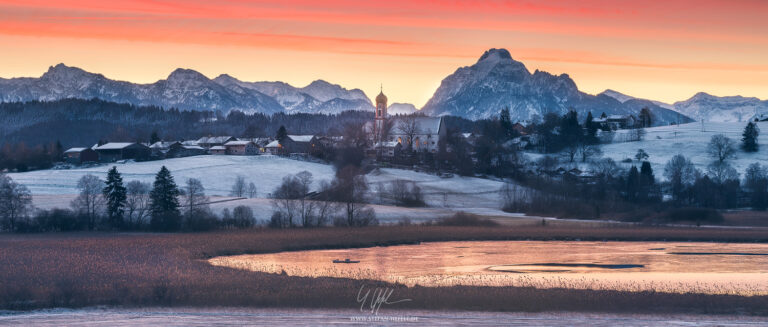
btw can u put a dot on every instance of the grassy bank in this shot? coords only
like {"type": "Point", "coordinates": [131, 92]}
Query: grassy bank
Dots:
{"type": "Point", "coordinates": [75, 270]}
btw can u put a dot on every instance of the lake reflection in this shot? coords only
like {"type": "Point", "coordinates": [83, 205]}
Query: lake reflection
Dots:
{"type": "Point", "coordinates": [714, 268]}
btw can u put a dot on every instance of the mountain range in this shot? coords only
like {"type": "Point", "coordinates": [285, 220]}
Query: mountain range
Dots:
{"type": "Point", "coordinates": [186, 89]}
{"type": "Point", "coordinates": [707, 107]}
{"type": "Point", "coordinates": [475, 92]}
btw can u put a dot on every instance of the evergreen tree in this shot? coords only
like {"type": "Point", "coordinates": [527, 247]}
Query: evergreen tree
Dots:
{"type": "Point", "coordinates": [154, 138]}
{"type": "Point", "coordinates": [570, 130]}
{"type": "Point", "coordinates": [633, 184]}
{"type": "Point", "coordinates": [749, 137]}
{"type": "Point", "coordinates": [115, 195]}
{"type": "Point", "coordinates": [646, 172]}
{"type": "Point", "coordinates": [281, 134]}
{"type": "Point", "coordinates": [591, 127]}
{"type": "Point", "coordinates": [646, 118]}
{"type": "Point", "coordinates": [165, 202]}
{"type": "Point", "coordinates": [506, 122]}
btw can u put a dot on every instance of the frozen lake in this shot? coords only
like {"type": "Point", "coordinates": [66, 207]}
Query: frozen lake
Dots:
{"type": "Point", "coordinates": [710, 268]}
{"type": "Point", "coordinates": [287, 317]}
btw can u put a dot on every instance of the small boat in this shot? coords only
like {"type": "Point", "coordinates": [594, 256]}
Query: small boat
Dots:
{"type": "Point", "coordinates": [346, 261]}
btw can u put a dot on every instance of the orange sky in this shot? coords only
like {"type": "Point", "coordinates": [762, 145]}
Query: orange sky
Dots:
{"type": "Point", "coordinates": [663, 50]}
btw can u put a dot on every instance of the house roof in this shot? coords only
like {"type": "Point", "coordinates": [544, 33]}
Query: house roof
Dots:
{"type": "Point", "coordinates": [218, 147]}
{"type": "Point", "coordinates": [192, 147]}
{"type": "Point", "coordinates": [231, 143]}
{"type": "Point", "coordinates": [391, 144]}
{"type": "Point", "coordinates": [214, 139]}
{"type": "Point", "coordinates": [424, 125]}
{"type": "Point", "coordinates": [301, 138]}
{"type": "Point", "coordinates": [73, 150]}
{"type": "Point", "coordinates": [162, 145]}
{"type": "Point", "coordinates": [273, 144]}
{"type": "Point", "coordinates": [115, 146]}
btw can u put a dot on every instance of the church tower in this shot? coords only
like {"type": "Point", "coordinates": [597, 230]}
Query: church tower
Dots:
{"type": "Point", "coordinates": [381, 114]}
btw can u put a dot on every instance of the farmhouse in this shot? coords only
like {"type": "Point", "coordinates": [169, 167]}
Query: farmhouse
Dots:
{"type": "Point", "coordinates": [388, 149]}
{"type": "Point", "coordinates": [159, 149]}
{"type": "Point", "coordinates": [211, 141]}
{"type": "Point", "coordinates": [241, 148]}
{"type": "Point", "coordinates": [121, 151]}
{"type": "Point", "coordinates": [297, 143]}
{"type": "Point", "coordinates": [80, 155]}
{"type": "Point", "coordinates": [614, 122]}
{"type": "Point", "coordinates": [273, 147]}
{"type": "Point", "coordinates": [218, 150]}
{"type": "Point", "coordinates": [179, 150]}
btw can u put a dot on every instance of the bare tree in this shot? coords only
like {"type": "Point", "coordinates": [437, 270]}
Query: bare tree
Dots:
{"type": "Point", "coordinates": [90, 202]}
{"type": "Point", "coordinates": [721, 148]}
{"type": "Point", "coordinates": [680, 172]}
{"type": "Point", "coordinates": [238, 188]}
{"type": "Point", "coordinates": [587, 151]}
{"type": "Point", "coordinates": [137, 202]}
{"type": "Point", "coordinates": [349, 188]}
{"type": "Point", "coordinates": [251, 190]}
{"type": "Point", "coordinates": [721, 172]}
{"type": "Point", "coordinates": [325, 208]}
{"type": "Point", "coordinates": [15, 202]}
{"type": "Point", "coordinates": [405, 193]}
{"type": "Point", "coordinates": [194, 193]}
{"type": "Point", "coordinates": [409, 127]}
{"type": "Point", "coordinates": [284, 200]}
{"type": "Point", "coordinates": [605, 167]}
{"type": "Point", "coordinates": [242, 216]}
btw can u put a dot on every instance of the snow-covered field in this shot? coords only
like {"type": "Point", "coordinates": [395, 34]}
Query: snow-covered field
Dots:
{"type": "Point", "coordinates": [56, 188]}
{"type": "Point", "coordinates": [690, 140]}
{"type": "Point", "coordinates": [217, 173]}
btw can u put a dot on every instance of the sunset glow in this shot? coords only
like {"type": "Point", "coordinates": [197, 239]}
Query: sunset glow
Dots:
{"type": "Point", "coordinates": [664, 50]}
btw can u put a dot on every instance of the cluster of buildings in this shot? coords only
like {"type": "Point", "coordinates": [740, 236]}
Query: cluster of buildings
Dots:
{"type": "Point", "coordinates": [215, 145]}
{"type": "Point", "coordinates": [388, 136]}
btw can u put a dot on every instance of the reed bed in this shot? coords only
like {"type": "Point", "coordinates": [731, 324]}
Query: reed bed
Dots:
{"type": "Point", "coordinates": [125, 269]}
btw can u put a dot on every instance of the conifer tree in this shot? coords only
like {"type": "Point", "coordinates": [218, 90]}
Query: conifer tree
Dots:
{"type": "Point", "coordinates": [281, 134]}
{"type": "Point", "coordinates": [115, 196]}
{"type": "Point", "coordinates": [165, 202]}
{"type": "Point", "coordinates": [749, 137]}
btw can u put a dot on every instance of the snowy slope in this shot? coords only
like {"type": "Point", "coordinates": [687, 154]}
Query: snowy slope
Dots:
{"type": "Point", "coordinates": [317, 97]}
{"type": "Point", "coordinates": [703, 106]}
{"type": "Point", "coordinates": [661, 143]}
{"type": "Point", "coordinates": [401, 109]}
{"type": "Point", "coordinates": [624, 98]}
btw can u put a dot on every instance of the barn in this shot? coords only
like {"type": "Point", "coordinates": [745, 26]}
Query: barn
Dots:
{"type": "Point", "coordinates": [114, 151]}
{"type": "Point", "coordinates": [80, 155]}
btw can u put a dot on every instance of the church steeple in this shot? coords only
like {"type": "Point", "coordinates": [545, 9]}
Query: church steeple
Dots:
{"type": "Point", "coordinates": [381, 104]}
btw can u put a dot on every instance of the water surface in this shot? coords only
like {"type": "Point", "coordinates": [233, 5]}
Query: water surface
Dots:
{"type": "Point", "coordinates": [712, 268]}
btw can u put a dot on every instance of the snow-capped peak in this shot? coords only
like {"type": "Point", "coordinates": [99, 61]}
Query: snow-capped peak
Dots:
{"type": "Point", "coordinates": [183, 74]}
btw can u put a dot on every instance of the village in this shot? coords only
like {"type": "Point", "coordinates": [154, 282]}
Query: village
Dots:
{"type": "Point", "coordinates": [400, 139]}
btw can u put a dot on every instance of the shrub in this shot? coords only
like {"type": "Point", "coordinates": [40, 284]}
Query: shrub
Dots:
{"type": "Point", "coordinates": [691, 214]}
{"type": "Point", "coordinates": [465, 219]}
{"type": "Point", "coordinates": [201, 220]}
{"type": "Point", "coordinates": [242, 217]}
